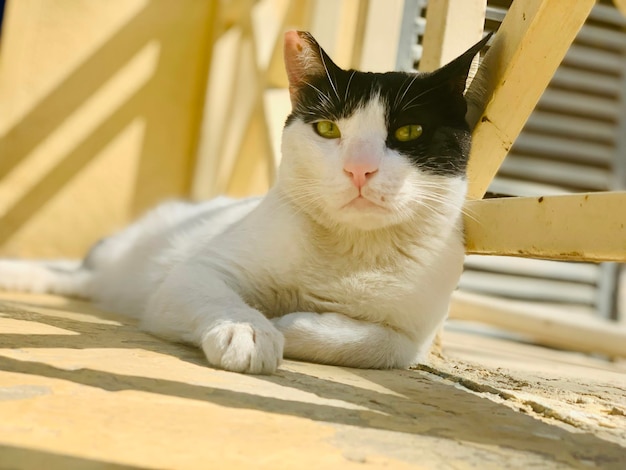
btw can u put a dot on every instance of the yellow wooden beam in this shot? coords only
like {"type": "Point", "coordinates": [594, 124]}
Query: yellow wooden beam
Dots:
{"type": "Point", "coordinates": [381, 38]}
{"type": "Point", "coordinates": [544, 324]}
{"type": "Point", "coordinates": [101, 107]}
{"type": "Point", "coordinates": [452, 26]}
{"type": "Point", "coordinates": [525, 53]}
{"type": "Point", "coordinates": [297, 15]}
{"type": "Point", "coordinates": [588, 226]}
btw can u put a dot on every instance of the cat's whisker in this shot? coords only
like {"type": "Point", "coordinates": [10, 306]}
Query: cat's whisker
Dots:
{"type": "Point", "coordinates": [321, 52]}
{"type": "Point", "coordinates": [452, 204]}
{"type": "Point", "coordinates": [322, 95]}
{"type": "Point", "coordinates": [307, 197]}
{"type": "Point", "coordinates": [408, 87]}
{"type": "Point", "coordinates": [434, 195]}
{"type": "Point", "coordinates": [345, 98]}
{"type": "Point", "coordinates": [397, 98]}
{"type": "Point", "coordinates": [471, 215]}
{"type": "Point", "coordinates": [440, 199]}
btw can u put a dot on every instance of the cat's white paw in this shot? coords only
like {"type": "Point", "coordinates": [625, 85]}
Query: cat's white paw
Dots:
{"type": "Point", "coordinates": [244, 347]}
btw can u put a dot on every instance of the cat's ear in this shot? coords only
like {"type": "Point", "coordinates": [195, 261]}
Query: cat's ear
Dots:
{"type": "Point", "coordinates": [304, 59]}
{"type": "Point", "coordinates": [456, 72]}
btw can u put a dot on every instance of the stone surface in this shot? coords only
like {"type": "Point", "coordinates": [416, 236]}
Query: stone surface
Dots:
{"type": "Point", "coordinates": [80, 388]}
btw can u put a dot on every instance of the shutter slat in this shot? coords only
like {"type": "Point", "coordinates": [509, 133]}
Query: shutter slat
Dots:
{"type": "Point", "coordinates": [545, 290]}
{"type": "Point", "coordinates": [563, 173]}
{"type": "Point", "coordinates": [587, 81]}
{"type": "Point", "coordinates": [567, 126]}
{"type": "Point", "coordinates": [597, 36]}
{"type": "Point", "coordinates": [576, 272]}
{"type": "Point", "coordinates": [607, 14]}
{"type": "Point", "coordinates": [579, 105]}
{"type": "Point", "coordinates": [594, 58]}
{"type": "Point", "coordinates": [566, 149]}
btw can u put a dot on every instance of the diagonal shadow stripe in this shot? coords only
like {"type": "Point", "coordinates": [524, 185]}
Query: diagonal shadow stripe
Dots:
{"type": "Point", "coordinates": [13, 457]}
{"type": "Point", "coordinates": [68, 168]}
{"type": "Point", "coordinates": [52, 110]}
{"type": "Point", "coordinates": [429, 408]}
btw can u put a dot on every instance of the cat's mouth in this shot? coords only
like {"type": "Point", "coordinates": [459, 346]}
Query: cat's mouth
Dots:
{"type": "Point", "coordinates": [362, 203]}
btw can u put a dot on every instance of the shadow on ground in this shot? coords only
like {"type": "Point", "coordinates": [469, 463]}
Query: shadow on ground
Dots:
{"type": "Point", "coordinates": [420, 403]}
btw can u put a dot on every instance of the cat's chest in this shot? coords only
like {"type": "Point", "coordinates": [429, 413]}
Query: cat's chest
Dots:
{"type": "Point", "coordinates": [322, 285]}
{"type": "Point", "coordinates": [290, 267]}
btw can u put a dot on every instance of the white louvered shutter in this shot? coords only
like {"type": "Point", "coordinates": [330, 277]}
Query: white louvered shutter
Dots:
{"type": "Point", "coordinates": [574, 141]}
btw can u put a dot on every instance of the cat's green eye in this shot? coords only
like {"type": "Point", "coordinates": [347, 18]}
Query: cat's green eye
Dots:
{"type": "Point", "coordinates": [327, 129]}
{"type": "Point", "coordinates": [408, 133]}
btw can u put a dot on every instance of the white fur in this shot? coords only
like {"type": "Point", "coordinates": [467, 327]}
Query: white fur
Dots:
{"type": "Point", "coordinates": [305, 269]}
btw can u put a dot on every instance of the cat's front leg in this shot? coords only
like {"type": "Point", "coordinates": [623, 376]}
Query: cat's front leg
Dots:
{"type": "Point", "coordinates": [333, 338]}
{"type": "Point", "coordinates": [194, 305]}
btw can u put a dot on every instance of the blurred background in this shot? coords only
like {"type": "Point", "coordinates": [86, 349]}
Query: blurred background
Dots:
{"type": "Point", "coordinates": [109, 107]}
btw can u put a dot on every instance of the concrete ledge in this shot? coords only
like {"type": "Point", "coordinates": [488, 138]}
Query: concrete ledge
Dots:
{"type": "Point", "coordinates": [80, 388]}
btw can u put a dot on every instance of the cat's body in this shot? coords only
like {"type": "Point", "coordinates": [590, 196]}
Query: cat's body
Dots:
{"type": "Point", "coordinates": [350, 258]}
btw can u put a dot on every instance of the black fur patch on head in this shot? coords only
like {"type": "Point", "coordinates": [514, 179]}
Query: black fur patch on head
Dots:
{"type": "Point", "coordinates": [434, 101]}
{"type": "Point", "coordinates": [443, 147]}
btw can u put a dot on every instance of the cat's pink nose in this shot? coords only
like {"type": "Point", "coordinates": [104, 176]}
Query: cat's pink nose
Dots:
{"type": "Point", "coordinates": [360, 174]}
{"type": "Point", "coordinates": [360, 169]}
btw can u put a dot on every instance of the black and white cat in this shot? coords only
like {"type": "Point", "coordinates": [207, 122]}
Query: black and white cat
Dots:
{"type": "Point", "coordinates": [350, 259]}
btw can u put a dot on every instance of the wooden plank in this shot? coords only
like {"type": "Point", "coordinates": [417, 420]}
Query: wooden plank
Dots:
{"type": "Point", "coordinates": [277, 106]}
{"type": "Point", "coordinates": [514, 187]}
{"type": "Point", "coordinates": [381, 35]}
{"type": "Point", "coordinates": [296, 16]}
{"type": "Point", "coordinates": [338, 32]}
{"type": "Point", "coordinates": [219, 111]}
{"type": "Point", "coordinates": [101, 107]}
{"type": "Point", "coordinates": [545, 325]}
{"type": "Point", "coordinates": [452, 26]}
{"type": "Point", "coordinates": [247, 60]}
{"type": "Point", "coordinates": [245, 95]}
{"type": "Point", "coordinates": [588, 226]}
{"type": "Point", "coordinates": [515, 72]}
{"type": "Point", "coordinates": [253, 171]}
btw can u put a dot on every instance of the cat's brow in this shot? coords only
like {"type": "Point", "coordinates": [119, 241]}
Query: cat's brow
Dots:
{"type": "Point", "coordinates": [416, 105]}
{"type": "Point", "coordinates": [407, 104]}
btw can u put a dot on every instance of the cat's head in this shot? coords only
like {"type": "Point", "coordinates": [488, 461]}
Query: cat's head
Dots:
{"type": "Point", "coordinates": [371, 150]}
